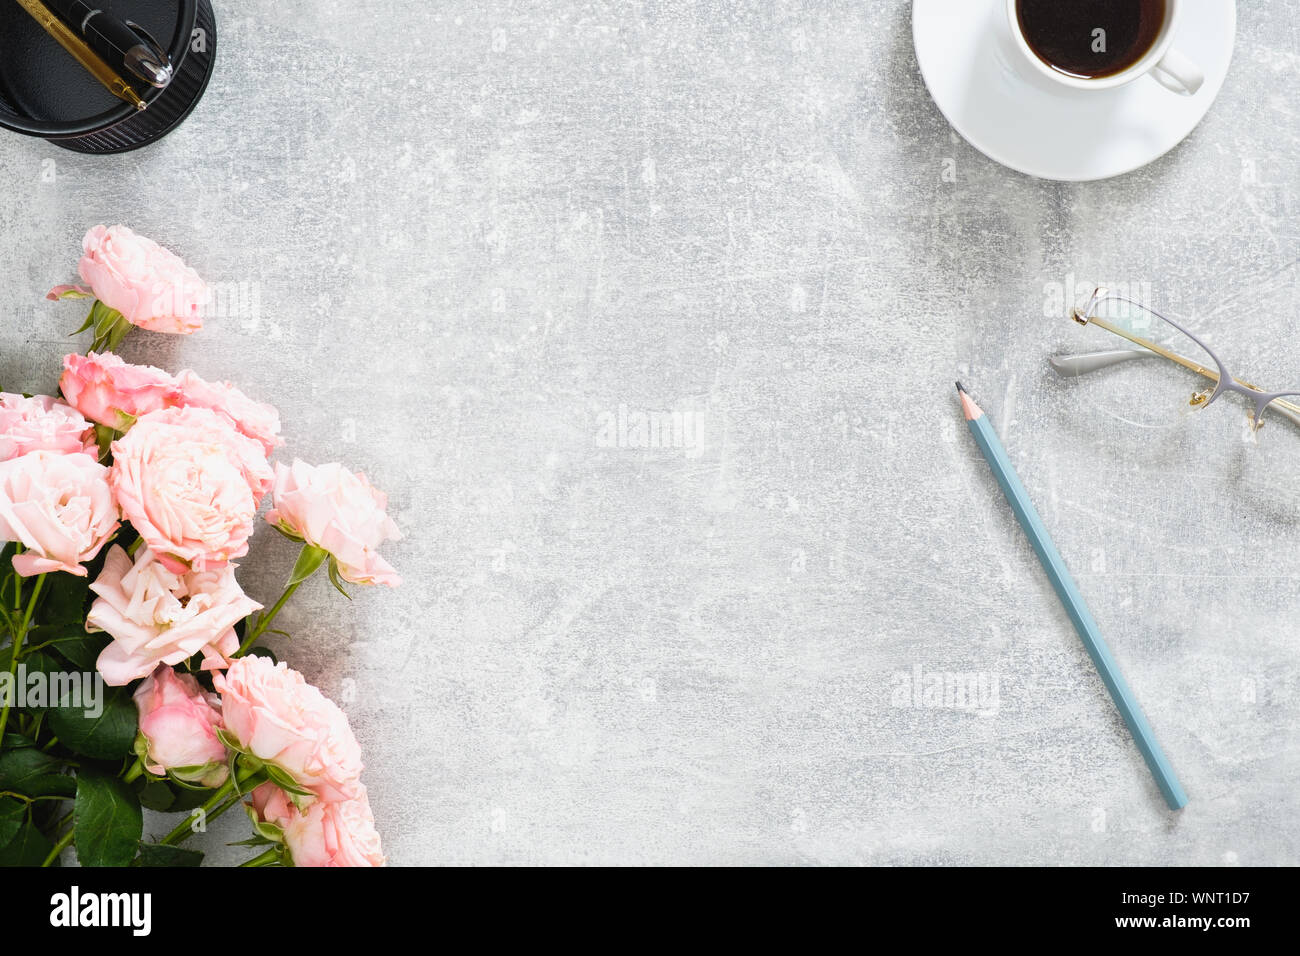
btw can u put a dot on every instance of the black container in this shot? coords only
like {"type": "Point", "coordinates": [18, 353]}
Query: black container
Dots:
{"type": "Point", "coordinates": [44, 92]}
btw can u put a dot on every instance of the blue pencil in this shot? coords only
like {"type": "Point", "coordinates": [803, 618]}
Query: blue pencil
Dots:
{"type": "Point", "coordinates": [1069, 594]}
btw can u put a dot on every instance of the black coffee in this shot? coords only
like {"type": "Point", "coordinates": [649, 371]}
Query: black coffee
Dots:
{"type": "Point", "coordinates": [1090, 38]}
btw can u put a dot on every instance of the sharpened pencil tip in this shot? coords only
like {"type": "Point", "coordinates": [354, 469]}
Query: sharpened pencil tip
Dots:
{"type": "Point", "coordinates": [960, 386]}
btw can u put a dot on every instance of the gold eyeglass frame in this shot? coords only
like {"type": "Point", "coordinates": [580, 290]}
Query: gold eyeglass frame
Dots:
{"type": "Point", "coordinates": [1221, 377]}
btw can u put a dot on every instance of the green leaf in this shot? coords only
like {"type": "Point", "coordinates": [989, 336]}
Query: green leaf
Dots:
{"type": "Point", "coordinates": [33, 774]}
{"type": "Point", "coordinates": [187, 799]}
{"type": "Point", "coordinates": [40, 677]}
{"type": "Point", "coordinates": [110, 328]}
{"type": "Point", "coordinates": [252, 841]}
{"type": "Point", "coordinates": [263, 652]}
{"type": "Point", "coordinates": [103, 319]}
{"type": "Point", "coordinates": [45, 663]}
{"type": "Point", "coordinates": [28, 848]}
{"type": "Point", "coordinates": [71, 642]}
{"type": "Point", "coordinates": [229, 739]}
{"type": "Point", "coordinates": [155, 794]}
{"type": "Point", "coordinates": [284, 530]}
{"type": "Point", "coordinates": [7, 576]}
{"type": "Point", "coordinates": [310, 558]}
{"type": "Point", "coordinates": [82, 652]}
{"type": "Point", "coordinates": [13, 741]}
{"type": "Point", "coordinates": [285, 782]}
{"type": "Point", "coordinates": [12, 814]}
{"type": "Point", "coordinates": [268, 831]}
{"type": "Point", "coordinates": [104, 437]}
{"type": "Point", "coordinates": [337, 580]}
{"type": "Point", "coordinates": [161, 854]}
{"type": "Point", "coordinates": [108, 820]}
{"type": "Point", "coordinates": [186, 784]}
{"type": "Point", "coordinates": [65, 598]}
{"type": "Point", "coordinates": [109, 736]}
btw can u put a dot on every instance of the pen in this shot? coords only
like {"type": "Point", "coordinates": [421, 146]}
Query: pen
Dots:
{"type": "Point", "coordinates": [83, 54]}
{"type": "Point", "coordinates": [119, 42]}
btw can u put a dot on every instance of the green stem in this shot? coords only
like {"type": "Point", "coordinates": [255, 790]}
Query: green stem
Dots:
{"type": "Point", "coordinates": [186, 826]}
{"type": "Point", "coordinates": [265, 858]}
{"type": "Point", "coordinates": [18, 581]}
{"type": "Point", "coordinates": [234, 799]}
{"type": "Point", "coordinates": [18, 646]}
{"type": "Point", "coordinates": [59, 847]}
{"type": "Point", "coordinates": [31, 605]}
{"type": "Point", "coordinates": [228, 792]}
{"type": "Point", "coordinates": [137, 768]}
{"type": "Point", "coordinates": [30, 800]}
{"type": "Point", "coordinates": [266, 619]}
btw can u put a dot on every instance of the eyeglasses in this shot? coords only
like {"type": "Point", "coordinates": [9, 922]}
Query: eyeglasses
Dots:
{"type": "Point", "coordinates": [1151, 334]}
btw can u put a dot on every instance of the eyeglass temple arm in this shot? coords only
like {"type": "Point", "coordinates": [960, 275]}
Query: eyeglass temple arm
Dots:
{"type": "Point", "coordinates": [1092, 361]}
{"type": "Point", "coordinates": [1084, 362]}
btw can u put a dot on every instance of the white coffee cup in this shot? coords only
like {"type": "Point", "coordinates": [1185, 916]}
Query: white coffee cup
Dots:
{"type": "Point", "coordinates": [1172, 69]}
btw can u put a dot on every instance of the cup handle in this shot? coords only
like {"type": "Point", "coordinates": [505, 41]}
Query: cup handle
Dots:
{"type": "Point", "coordinates": [1178, 73]}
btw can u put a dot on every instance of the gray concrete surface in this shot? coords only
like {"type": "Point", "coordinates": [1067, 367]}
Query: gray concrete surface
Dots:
{"type": "Point", "coordinates": [475, 235]}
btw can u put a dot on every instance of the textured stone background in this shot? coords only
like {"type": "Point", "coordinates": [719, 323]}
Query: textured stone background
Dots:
{"type": "Point", "coordinates": [475, 230]}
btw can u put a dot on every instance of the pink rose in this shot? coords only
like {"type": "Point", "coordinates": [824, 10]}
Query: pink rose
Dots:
{"type": "Point", "coordinates": [150, 286]}
{"type": "Point", "coordinates": [330, 508]}
{"type": "Point", "coordinates": [190, 484]}
{"type": "Point", "coordinates": [178, 721]}
{"type": "Point", "coordinates": [109, 391]}
{"type": "Point", "coordinates": [278, 717]}
{"type": "Point", "coordinates": [59, 507]}
{"type": "Point", "coordinates": [42, 423]}
{"type": "Point", "coordinates": [325, 834]}
{"type": "Point", "coordinates": [251, 419]}
{"type": "Point", "coordinates": [156, 615]}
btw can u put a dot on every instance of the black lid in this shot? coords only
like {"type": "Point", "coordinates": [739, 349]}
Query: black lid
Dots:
{"type": "Point", "coordinates": [44, 92]}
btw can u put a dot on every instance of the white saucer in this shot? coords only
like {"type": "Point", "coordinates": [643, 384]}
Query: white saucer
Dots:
{"type": "Point", "coordinates": [1023, 120]}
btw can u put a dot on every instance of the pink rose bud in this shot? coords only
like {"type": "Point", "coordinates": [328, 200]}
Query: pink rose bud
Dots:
{"type": "Point", "coordinates": [275, 715]}
{"type": "Point", "coordinates": [68, 292]}
{"type": "Point", "coordinates": [333, 509]}
{"type": "Point", "coordinates": [178, 724]}
{"type": "Point", "coordinates": [42, 423]}
{"type": "Point", "coordinates": [109, 391]}
{"type": "Point", "coordinates": [60, 507]}
{"type": "Point", "coordinates": [190, 485]}
{"type": "Point", "coordinates": [325, 834]}
{"type": "Point", "coordinates": [156, 615]}
{"type": "Point", "coordinates": [251, 419]}
{"type": "Point", "coordinates": [152, 287]}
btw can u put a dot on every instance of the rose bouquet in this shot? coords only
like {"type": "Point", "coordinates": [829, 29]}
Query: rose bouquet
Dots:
{"type": "Point", "coordinates": [130, 670]}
